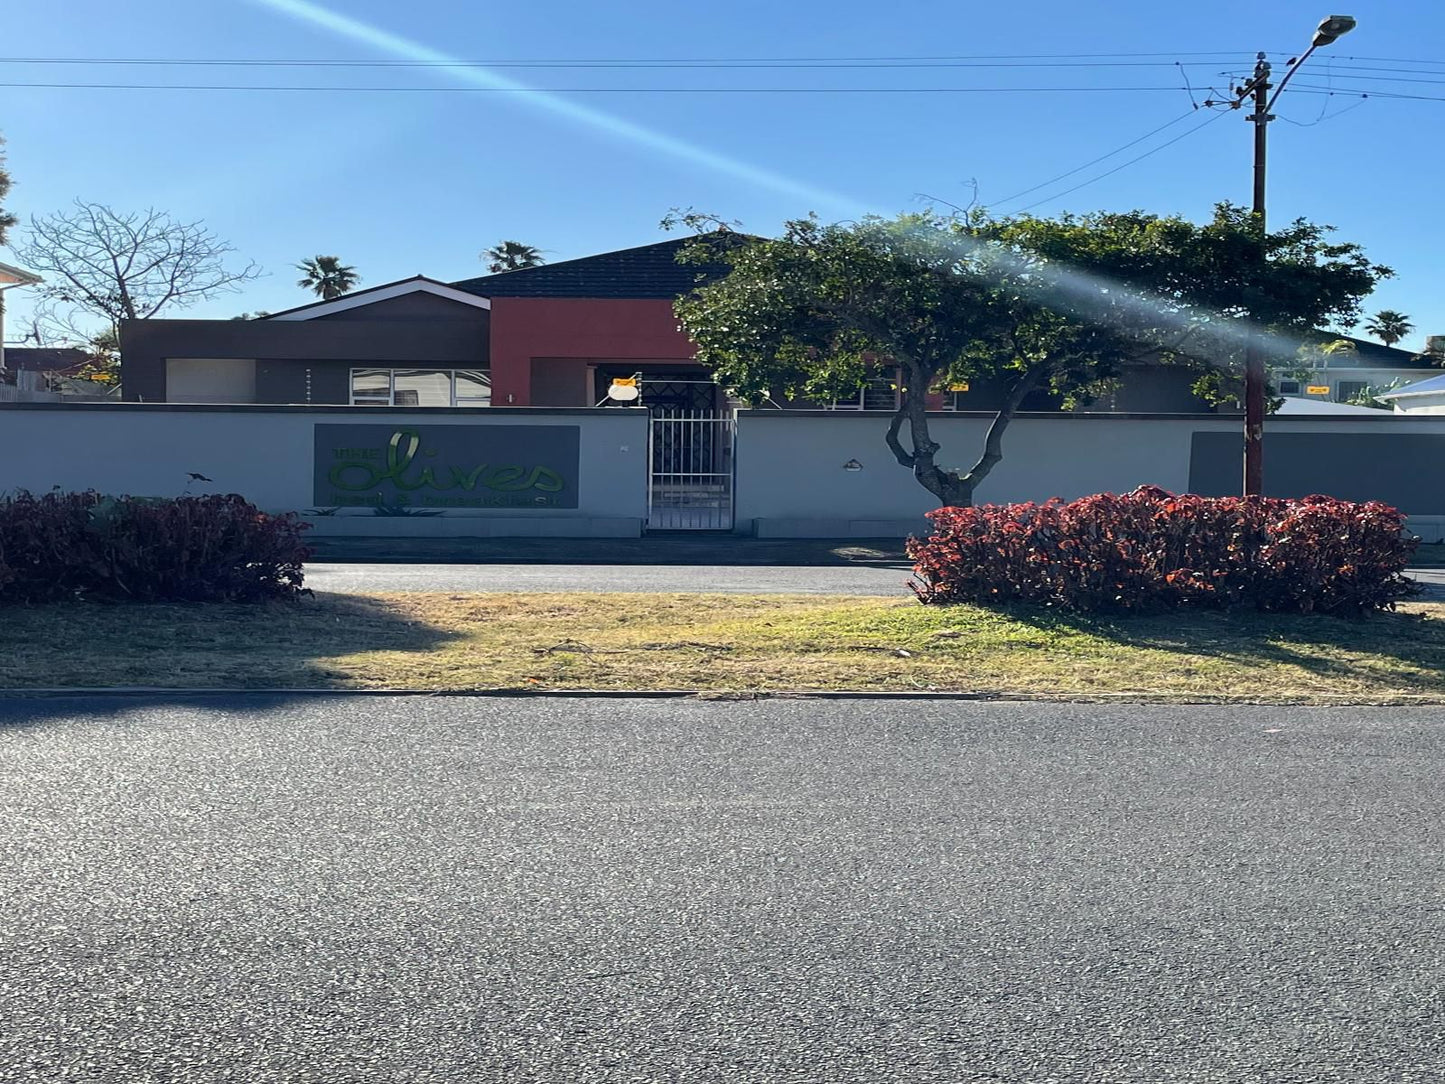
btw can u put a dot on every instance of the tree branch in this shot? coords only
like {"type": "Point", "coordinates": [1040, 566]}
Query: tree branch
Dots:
{"type": "Point", "coordinates": [894, 444]}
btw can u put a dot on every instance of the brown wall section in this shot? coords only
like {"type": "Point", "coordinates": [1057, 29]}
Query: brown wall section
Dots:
{"type": "Point", "coordinates": [284, 349]}
{"type": "Point", "coordinates": [414, 306]}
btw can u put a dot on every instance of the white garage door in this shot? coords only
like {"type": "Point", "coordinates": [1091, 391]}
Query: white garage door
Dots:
{"type": "Point", "coordinates": [210, 380]}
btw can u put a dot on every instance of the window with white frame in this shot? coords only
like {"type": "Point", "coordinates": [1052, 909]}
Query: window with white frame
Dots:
{"type": "Point", "coordinates": [1289, 387]}
{"type": "Point", "coordinates": [421, 387]}
{"type": "Point", "coordinates": [878, 393]}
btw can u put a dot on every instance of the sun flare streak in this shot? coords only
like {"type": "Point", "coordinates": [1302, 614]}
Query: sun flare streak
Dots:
{"type": "Point", "coordinates": [386, 42]}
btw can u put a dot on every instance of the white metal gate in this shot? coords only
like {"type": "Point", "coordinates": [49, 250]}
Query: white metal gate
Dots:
{"type": "Point", "coordinates": [690, 486]}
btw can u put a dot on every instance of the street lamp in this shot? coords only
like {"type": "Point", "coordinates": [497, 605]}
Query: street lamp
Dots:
{"type": "Point", "coordinates": [1329, 30]}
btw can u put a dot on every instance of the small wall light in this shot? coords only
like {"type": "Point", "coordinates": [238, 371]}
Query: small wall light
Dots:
{"type": "Point", "coordinates": [852, 465]}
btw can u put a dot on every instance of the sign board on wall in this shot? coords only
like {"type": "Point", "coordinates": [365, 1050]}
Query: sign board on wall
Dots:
{"type": "Point", "coordinates": [446, 466]}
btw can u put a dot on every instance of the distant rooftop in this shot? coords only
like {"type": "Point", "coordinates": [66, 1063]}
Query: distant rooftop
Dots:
{"type": "Point", "coordinates": [648, 271]}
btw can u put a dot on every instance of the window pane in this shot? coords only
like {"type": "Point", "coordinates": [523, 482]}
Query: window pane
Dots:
{"type": "Point", "coordinates": [1289, 387]}
{"type": "Point", "coordinates": [474, 387]}
{"type": "Point", "coordinates": [1346, 390]}
{"type": "Point", "coordinates": [423, 387]}
{"type": "Point", "coordinates": [370, 386]}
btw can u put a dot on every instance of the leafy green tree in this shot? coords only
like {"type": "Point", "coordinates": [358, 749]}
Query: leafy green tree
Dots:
{"type": "Point", "coordinates": [512, 256]}
{"type": "Point", "coordinates": [1389, 326]}
{"type": "Point", "coordinates": [327, 276]}
{"type": "Point", "coordinates": [102, 363]}
{"type": "Point", "coordinates": [1018, 304]}
{"type": "Point", "coordinates": [7, 219]}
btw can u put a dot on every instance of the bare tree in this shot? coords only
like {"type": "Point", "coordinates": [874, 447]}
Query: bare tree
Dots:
{"type": "Point", "coordinates": [126, 266]}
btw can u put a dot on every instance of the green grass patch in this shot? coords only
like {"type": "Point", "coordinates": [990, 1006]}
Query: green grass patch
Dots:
{"type": "Point", "coordinates": [723, 643]}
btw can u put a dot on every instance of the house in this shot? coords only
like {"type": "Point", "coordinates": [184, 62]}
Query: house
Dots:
{"type": "Point", "coordinates": [11, 277]}
{"type": "Point", "coordinates": [548, 336]}
{"type": "Point", "coordinates": [1422, 397]}
{"type": "Point", "coordinates": [1341, 375]}
{"type": "Point", "coordinates": [61, 361]}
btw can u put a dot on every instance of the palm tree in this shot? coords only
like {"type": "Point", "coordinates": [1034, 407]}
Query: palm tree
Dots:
{"type": "Point", "coordinates": [328, 276]}
{"type": "Point", "coordinates": [512, 256]}
{"type": "Point", "coordinates": [1389, 326]}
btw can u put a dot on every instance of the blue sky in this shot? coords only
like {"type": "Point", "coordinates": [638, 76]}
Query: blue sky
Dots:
{"type": "Point", "coordinates": [420, 182]}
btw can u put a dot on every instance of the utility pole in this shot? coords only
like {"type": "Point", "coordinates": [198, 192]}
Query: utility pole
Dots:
{"type": "Point", "coordinates": [1257, 90]}
{"type": "Point", "coordinates": [1254, 377]}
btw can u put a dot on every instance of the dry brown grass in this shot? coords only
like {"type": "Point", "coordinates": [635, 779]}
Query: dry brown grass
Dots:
{"type": "Point", "coordinates": [722, 643]}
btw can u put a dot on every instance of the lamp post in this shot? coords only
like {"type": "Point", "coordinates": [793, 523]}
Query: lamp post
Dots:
{"type": "Point", "coordinates": [1258, 89]}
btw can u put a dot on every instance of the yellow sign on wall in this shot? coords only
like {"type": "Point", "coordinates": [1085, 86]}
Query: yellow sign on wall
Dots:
{"type": "Point", "coordinates": [624, 381]}
{"type": "Point", "coordinates": [958, 387]}
{"type": "Point", "coordinates": [1317, 389]}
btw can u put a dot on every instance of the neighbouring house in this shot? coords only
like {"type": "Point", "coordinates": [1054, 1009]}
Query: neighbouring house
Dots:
{"type": "Point", "coordinates": [1342, 375]}
{"type": "Point", "coordinates": [59, 361]}
{"type": "Point", "coordinates": [10, 278]}
{"type": "Point", "coordinates": [1422, 397]}
{"type": "Point", "coordinates": [1294, 405]}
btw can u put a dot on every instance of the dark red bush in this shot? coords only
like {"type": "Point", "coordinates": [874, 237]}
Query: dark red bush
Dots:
{"type": "Point", "coordinates": [190, 549]}
{"type": "Point", "coordinates": [1151, 550]}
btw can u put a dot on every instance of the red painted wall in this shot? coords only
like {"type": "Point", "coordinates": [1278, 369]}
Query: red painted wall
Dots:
{"type": "Point", "coordinates": [524, 328]}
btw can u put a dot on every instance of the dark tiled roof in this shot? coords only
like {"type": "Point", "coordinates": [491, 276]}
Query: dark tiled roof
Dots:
{"type": "Point", "coordinates": [1368, 354]}
{"type": "Point", "coordinates": [45, 359]}
{"type": "Point", "coordinates": [649, 271]}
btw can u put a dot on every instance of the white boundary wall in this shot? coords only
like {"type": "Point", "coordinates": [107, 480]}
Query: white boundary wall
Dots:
{"type": "Point", "coordinates": [266, 454]}
{"type": "Point", "coordinates": [793, 481]}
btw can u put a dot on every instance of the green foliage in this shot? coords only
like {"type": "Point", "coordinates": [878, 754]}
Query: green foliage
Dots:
{"type": "Point", "coordinates": [512, 256]}
{"type": "Point", "coordinates": [1370, 396]}
{"type": "Point", "coordinates": [102, 363]}
{"type": "Point", "coordinates": [7, 219]}
{"type": "Point", "coordinates": [1389, 326]}
{"type": "Point", "coordinates": [1015, 303]}
{"type": "Point", "coordinates": [327, 276]}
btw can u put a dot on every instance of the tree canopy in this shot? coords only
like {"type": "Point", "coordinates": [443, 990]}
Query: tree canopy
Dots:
{"type": "Point", "coordinates": [327, 276]}
{"type": "Point", "coordinates": [1020, 303]}
{"type": "Point", "coordinates": [1389, 326]}
{"type": "Point", "coordinates": [512, 256]}
{"type": "Point", "coordinates": [7, 220]}
{"type": "Point", "coordinates": [116, 266]}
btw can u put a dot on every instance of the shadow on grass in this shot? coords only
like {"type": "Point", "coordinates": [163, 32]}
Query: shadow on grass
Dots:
{"type": "Point", "coordinates": [202, 646]}
{"type": "Point", "coordinates": [1404, 650]}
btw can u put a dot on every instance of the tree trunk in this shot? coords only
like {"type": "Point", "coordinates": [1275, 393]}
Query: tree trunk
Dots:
{"type": "Point", "coordinates": [952, 489]}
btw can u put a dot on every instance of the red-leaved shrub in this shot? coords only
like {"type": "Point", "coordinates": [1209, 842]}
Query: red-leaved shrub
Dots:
{"type": "Point", "coordinates": [1150, 550]}
{"type": "Point", "coordinates": [186, 549]}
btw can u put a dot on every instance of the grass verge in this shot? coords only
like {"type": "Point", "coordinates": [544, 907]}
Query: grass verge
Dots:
{"type": "Point", "coordinates": [723, 643]}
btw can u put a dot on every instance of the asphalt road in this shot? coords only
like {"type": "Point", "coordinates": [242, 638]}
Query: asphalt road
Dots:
{"type": "Point", "coordinates": [726, 579]}
{"type": "Point", "coordinates": [477, 890]}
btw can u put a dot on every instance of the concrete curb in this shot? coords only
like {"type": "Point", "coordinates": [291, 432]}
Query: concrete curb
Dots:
{"type": "Point", "coordinates": [1316, 700]}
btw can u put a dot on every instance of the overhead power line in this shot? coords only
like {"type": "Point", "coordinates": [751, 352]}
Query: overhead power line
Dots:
{"type": "Point", "coordinates": [585, 90]}
{"type": "Point", "coordinates": [984, 60]}
{"type": "Point", "coordinates": [1123, 165]}
{"type": "Point", "coordinates": [1094, 161]}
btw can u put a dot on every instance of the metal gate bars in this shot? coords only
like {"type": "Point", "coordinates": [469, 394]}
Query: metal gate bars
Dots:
{"type": "Point", "coordinates": [690, 484]}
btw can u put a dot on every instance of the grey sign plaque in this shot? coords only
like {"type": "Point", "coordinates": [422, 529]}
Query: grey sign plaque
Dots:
{"type": "Point", "coordinates": [446, 466]}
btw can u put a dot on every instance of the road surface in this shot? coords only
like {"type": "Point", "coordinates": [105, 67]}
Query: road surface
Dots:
{"type": "Point", "coordinates": [727, 579]}
{"type": "Point", "coordinates": [475, 890]}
